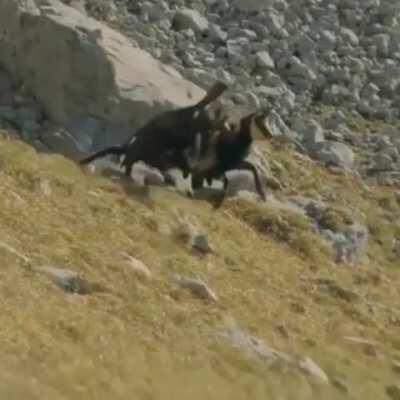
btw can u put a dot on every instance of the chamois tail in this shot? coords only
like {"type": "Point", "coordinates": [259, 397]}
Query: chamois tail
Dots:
{"type": "Point", "coordinates": [117, 150]}
{"type": "Point", "coordinates": [213, 93]}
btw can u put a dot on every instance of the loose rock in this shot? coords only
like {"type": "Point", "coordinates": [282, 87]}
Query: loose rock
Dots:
{"type": "Point", "coordinates": [196, 286]}
{"type": "Point", "coordinates": [68, 280]}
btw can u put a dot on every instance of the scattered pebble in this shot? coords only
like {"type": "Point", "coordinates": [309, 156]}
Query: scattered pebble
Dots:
{"type": "Point", "coordinates": [196, 286]}
{"type": "Point", "coordinates": [137, 266]}
{"type": "Point", "coordinates": [317, 375]}
{"type": "Point", "coordinates": [68, 280]}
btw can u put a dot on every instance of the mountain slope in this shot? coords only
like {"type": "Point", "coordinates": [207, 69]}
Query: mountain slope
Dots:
{"type": "Point", "coordinates": [135, 334]}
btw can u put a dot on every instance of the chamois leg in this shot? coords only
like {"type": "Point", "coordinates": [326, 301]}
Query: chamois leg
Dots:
{"type": "Point", "coordinates": [128, 169]}
{"type": "Point", "coordinates": [225, 182]}
{"type": "Point", "coordinates": [197, 181]}
{"type": "Point", "coordinates": [246, 165]}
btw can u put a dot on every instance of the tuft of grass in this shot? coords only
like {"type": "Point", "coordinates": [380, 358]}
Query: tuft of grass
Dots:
{"type": "Point", "coordinates": [285, 226]}
{"type": "Point", "coordinates": [336, 219]}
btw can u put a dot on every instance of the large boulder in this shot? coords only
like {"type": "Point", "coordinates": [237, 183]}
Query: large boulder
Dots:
{"type": "Point", "coordinates": [80, 69]}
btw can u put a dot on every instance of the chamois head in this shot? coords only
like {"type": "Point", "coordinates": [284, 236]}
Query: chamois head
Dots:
{"type": "Point", "coordinates": [252, 124]}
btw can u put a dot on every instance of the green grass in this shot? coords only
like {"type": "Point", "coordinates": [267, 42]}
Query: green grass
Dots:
{"type": "Point", "coordinates": [145, 338]}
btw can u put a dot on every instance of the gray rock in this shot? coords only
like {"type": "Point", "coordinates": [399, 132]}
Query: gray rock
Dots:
{"type": "Point", "coordinates": [217, 34]}
{"type": "Point", "coordinates": [392, 152]}
{"type": "Point", "coordinates": [61, 141]}
{"type": "Point", "coordinates": [312, 135]}
{"type": "Point", "coordinates": [317, 375]}
{"type": "Point", "coordinates": [187, 18]}
{"type": "Point", "coordinates": [144, 174]}
{"type": "Point", "coordinates": [355, 245]}
{"type": "Point", "coordinates": [68, 280]}
{"type": "Point", "coordinates": [278, 127]}
{"type": "Point", "coordinates": [382, 162]}
{"type": "Point", "coordinates": [382, 42]}
{"type": "Point", "coordinates": [336, 154]}
{"type": "Point", "coordinates": [121, 89]}
{"type": "Point", "coordinates": [349, 36]}
{"type": "Point", "coordinates": [240, 181]}
{"type": "Point", "coordinates": [264, 60]}
{"type": "Point", "coordinates": [137, 266]}
{"type": "Point", "coordinates": [196, 286]}
{"type": "Point", "coordinates": [82, 128]}
{"type": "Point", "coordinates": [196, 239]}
{"type": "Point", "coordinates": [336, 120]}
{"type": "Point", "coordinates": [269, 356]}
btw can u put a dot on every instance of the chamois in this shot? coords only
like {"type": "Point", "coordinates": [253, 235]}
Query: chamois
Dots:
{"type": "Point", "coordinates": [161, 143]}
{"type": "Point", "coordinates": [228, 149]}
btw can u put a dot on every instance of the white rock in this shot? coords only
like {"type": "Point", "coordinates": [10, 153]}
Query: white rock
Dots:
{"type": "Point", "coordinates": [278, 128]}
{"type": "Point", "coordinates": [316, 374]}
{"type": "Point", "coordinates": [109, 77]}
{"type": "Point", "coordinates": [264, 60]}
{"type": "Point", "coordinates": [137, 266]}
{"type": "Point", "coordinates": [187, 18]}
{"type": "Point", "coordinates": [196, 286]}
{"type": "Point", "coordinates": [337, 154]}
{"type": "Point", "coordinates": [348, 36]}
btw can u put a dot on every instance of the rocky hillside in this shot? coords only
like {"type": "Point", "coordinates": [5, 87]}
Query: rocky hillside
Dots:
{"type": "Point", "coordinates": [111, 290]}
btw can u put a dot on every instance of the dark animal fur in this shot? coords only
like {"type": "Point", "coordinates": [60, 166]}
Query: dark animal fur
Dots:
{"type": "Point", "coordinates": [162, 141]}
{"type": "Point", "coordinates": [231, 147]}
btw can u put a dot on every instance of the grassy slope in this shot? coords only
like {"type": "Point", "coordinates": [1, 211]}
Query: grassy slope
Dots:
{"type": "Point", "coordinates": [146, 339]}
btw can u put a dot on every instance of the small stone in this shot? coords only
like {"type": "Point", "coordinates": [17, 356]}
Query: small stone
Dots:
{"type": "Point", "coordinates": [269, 356]}
{"type": "Point", "coordinates": [264, 60]}
{"type": "Point", "coordinates": [217, 34]}
{"type": "Point", "coordinates": [68, 280]}
{"type": "Point", "coordinates": [196, 286]}
{"type": "Point", "coordinates": [45, 187]}
{"type": "Point", "coordinates": [137, 266]}
{"type": "Point", "coordinates": [369, 347]}
{"type": "Point", "coordinates": [317, 375]}
{"type": "Point", "coordinates": [336, 154]}
{"type": "Point", "coordinates": [194, 237]}
{"type": "Point", "coordinates": [200, 243]}
{"type": "Point", "coordinates": [187, 18]}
